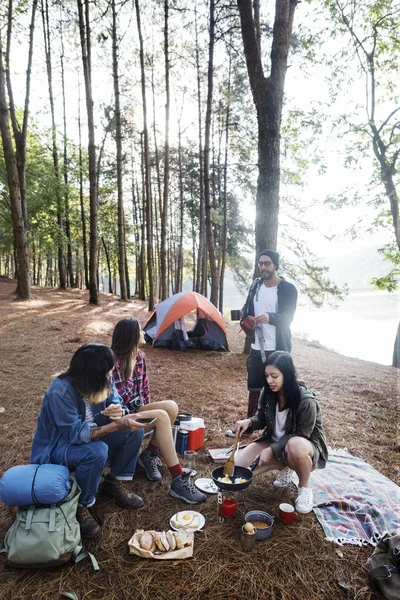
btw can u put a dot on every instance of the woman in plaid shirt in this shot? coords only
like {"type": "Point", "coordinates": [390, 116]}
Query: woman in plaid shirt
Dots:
{"type": "Point", "coordinates": [132, 384]}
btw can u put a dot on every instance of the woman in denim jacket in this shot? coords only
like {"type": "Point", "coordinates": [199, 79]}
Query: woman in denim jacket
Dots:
{"type": "Point", "coordinates": [83, 425]}
{"type": "Point", "coordinates": [293, 437]}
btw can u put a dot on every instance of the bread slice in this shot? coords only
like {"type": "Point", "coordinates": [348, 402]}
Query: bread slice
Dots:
{"type": "Point", "coordinates": [178, 538]}
{"type": "Point", "coordinates": [153, 534]}
{"type": "Point", "coordinates": [146, 541]}
{"type": "Point", "coordinates": [158, 541]}
{"type": "Point", "coordinates": [171, 540]}
{"type": "Point", "coordinates": [164, 540]}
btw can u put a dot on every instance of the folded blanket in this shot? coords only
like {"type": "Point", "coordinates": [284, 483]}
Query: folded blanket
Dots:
{"type": "Point", "coordinates": [353, 502]}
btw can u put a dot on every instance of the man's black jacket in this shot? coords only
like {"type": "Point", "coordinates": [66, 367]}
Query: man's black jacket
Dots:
{"type": "Point", "coordinates": [282, 318]}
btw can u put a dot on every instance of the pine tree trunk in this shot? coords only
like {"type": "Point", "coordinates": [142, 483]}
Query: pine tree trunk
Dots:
{"type": "Point", "coordinates": [110, 286]}
{"type": "Point", "coordinates": [81, 203]}
{"type": "Point", "coordinates": [67, 222]}
{"type": "Point", "coordinates": [148, 198]}
{"type": "Point", "coordinates": [17, 215]}
{"type": "Point", "coordinates": [207, 134]}
{"type": "Point", "coordinates": [268, 99]}
{"type": "Point", "coordinates": [118, 140]}
{"type": "Point", "coordinates": [201, 276]}
{"type": "Point", "coordinates": [60, 220]}
{"type": "Point", "coordinates": [84, 30]}
{"type": "Point", "coordinates": [225, 193]}
{"type": "Point", "coordinates": [164, 214]}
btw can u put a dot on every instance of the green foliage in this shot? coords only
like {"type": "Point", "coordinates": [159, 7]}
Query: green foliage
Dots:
{"type": "Point", "coordinates": [389, 282]}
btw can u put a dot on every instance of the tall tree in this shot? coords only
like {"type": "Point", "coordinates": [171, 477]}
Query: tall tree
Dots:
{"type": "Point", "coordinates": [267, 91]}
{"type": "Point", "coordinates": [146, 162]}
{"type": "Point", "coordinates": [118, 141]}
{"type": "Point", "coordinates": [65, 165]}
{"type": "Point", "coordinates": [60, 208]}
{"type": "Point", "coordinates": [207, 135]}
{"type": "Point", "coordinates": [164, 214]}
{"type": "Point", "coordinates": [19, 228]}
{"type": "Point", "coordinates": [85, 37]}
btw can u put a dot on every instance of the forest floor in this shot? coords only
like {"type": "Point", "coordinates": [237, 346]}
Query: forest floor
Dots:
{"type": "Point", "coordinates": [360, 411]}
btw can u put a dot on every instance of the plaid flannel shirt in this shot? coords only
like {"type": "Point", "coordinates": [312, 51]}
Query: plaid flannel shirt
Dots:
{"type": "Point", "coordinates": [135, 387]}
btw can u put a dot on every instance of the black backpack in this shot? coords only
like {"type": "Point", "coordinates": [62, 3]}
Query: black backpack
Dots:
{"type": "Point", "coordinates": [384, 567]}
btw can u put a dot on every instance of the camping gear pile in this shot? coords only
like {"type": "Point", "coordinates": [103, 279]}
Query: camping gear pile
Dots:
{"type": "Point", "coordinates": [45, 532]}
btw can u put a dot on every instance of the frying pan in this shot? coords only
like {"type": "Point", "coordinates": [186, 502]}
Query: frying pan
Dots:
{"type": "Point", "coordinates": [246, 473]}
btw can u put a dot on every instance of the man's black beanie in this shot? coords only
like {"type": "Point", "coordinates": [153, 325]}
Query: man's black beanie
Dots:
{"type": "Point", "coordinates": [274, 256]}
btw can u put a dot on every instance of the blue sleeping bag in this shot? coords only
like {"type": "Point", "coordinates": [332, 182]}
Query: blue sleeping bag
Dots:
{"type": "Point", "coordinates": [35, 484]}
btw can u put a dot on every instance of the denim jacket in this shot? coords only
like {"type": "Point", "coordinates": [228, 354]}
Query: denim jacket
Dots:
{"type": "Point", "coordinates": [61, 421]}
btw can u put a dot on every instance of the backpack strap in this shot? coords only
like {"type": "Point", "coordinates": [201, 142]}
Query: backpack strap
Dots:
{"type": "Point", "coordinates": [79, 554]}
{"type": "Point", "coordinates": [29, 516]}
{"type": "Point", "coordinates": [385, 571]}
{"type": "Point", "coordinates": [52, 518]}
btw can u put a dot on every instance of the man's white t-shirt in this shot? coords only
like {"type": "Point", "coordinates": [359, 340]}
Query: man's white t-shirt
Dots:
{"type": "Point", "coordinates": [266, 302]}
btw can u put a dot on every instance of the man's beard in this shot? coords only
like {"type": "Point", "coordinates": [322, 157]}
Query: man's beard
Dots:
{"type": "Point", "coordinates": [267, 275]}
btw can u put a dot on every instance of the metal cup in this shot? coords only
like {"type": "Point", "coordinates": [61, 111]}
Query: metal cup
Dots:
{"type": "Point", "coordinates": [247, 540]}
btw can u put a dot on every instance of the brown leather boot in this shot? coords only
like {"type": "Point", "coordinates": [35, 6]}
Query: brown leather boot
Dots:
{"type": "Point", "coordinates": [112, 488]}
{"type": "Point", "coordinates": [88, 525]}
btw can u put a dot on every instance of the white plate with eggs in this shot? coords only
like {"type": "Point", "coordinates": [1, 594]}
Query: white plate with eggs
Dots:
{"type": "Point", "coordinates": [187, 519]}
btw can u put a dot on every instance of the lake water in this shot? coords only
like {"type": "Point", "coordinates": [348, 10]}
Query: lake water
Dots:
{"type": "Point", "coordinates": [363, 326]}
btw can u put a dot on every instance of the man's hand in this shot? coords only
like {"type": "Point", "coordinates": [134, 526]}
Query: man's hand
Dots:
{"type": "Point", "coordinates": [242, 426]}
{"type": "Point", "coordinates": [128, 423]}
{"type": "Point", "coordinates": [262, 318]}
{"type": "Point", "coordinates": [266, 456]}
{"type": "Point", "coordinates": [113, 411]}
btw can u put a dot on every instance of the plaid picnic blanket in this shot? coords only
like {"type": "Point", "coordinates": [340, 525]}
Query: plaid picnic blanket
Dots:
{"type": "Point", "coordinates": [353, 502]}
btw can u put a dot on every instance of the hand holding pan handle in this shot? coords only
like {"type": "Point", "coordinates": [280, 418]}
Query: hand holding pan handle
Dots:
{"type": "Point", "coordinates": [254, 464]}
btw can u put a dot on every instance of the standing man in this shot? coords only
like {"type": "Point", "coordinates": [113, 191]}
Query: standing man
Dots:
{"type": "Point", "coordinates": [270, 308]}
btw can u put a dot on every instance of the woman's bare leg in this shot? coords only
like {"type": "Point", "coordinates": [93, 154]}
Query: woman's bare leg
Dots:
{"type": "Point", "coordinates": [169, 406]}
{"type": "Point", "coordinates": [299, 452]}
{"type": "Point", "coordinates": [245, 457]}
{"type": "Point", "coordinates": [162, 436]}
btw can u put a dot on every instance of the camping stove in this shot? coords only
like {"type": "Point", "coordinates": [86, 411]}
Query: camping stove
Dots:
{"type": "Point", "coordinates": [228, 503]}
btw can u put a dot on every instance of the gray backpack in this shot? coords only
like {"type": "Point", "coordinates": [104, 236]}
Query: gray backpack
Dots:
{"type": "Point", "coordinates": [46, 536]}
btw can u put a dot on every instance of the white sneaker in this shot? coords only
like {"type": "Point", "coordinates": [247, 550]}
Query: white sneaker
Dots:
{"type": "Point", "coordinates": [284, 478]}
{"type": "Point", "coordinates": [230, 433]}
{"type": "Point", "coordinates": [305, 500]}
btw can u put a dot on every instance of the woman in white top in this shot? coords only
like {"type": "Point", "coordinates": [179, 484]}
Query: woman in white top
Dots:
{"type": "Point", "coordinates": [293, 438]}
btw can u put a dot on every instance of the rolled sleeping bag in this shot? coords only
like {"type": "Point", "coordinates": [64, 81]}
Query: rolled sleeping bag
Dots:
{"type": "Point", "coordinates": [35, 484]}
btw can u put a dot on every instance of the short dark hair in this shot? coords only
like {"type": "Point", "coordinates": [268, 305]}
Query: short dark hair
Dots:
{"type": "Point", "coordinates": [291, 389]}
{"type": "Point", "coordinates": [89, 367]}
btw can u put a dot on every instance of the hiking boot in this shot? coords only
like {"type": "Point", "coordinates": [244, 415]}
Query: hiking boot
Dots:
{"type": "Point", "coordinates": [150, 463]}
{"type": "Point", "coordinates": [182, 487]}
{"type": "Point", "coordinates": [305, 500]}
{"type": "Point", "coordinates": [88, 525]}
{"type": "Point", "coordinates": [284, 478]}
{"type": "Point", "coordinates": [112, 488]}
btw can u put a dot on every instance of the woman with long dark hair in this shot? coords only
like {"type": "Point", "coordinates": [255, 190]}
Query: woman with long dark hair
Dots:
{"type": "Point", "coordinates": [83, 425]}
{"type": "Point", "coordinates": [131, 382]}
{"type": "Point", "coordinates": [293, 438]}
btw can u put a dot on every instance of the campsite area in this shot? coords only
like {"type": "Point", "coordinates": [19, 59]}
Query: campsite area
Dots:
{"type": "Point", "coordinates": [358, 401]}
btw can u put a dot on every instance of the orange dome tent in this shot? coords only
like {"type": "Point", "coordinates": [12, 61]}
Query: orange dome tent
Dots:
{"type": "Point", "coordinates": [208, 333]}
